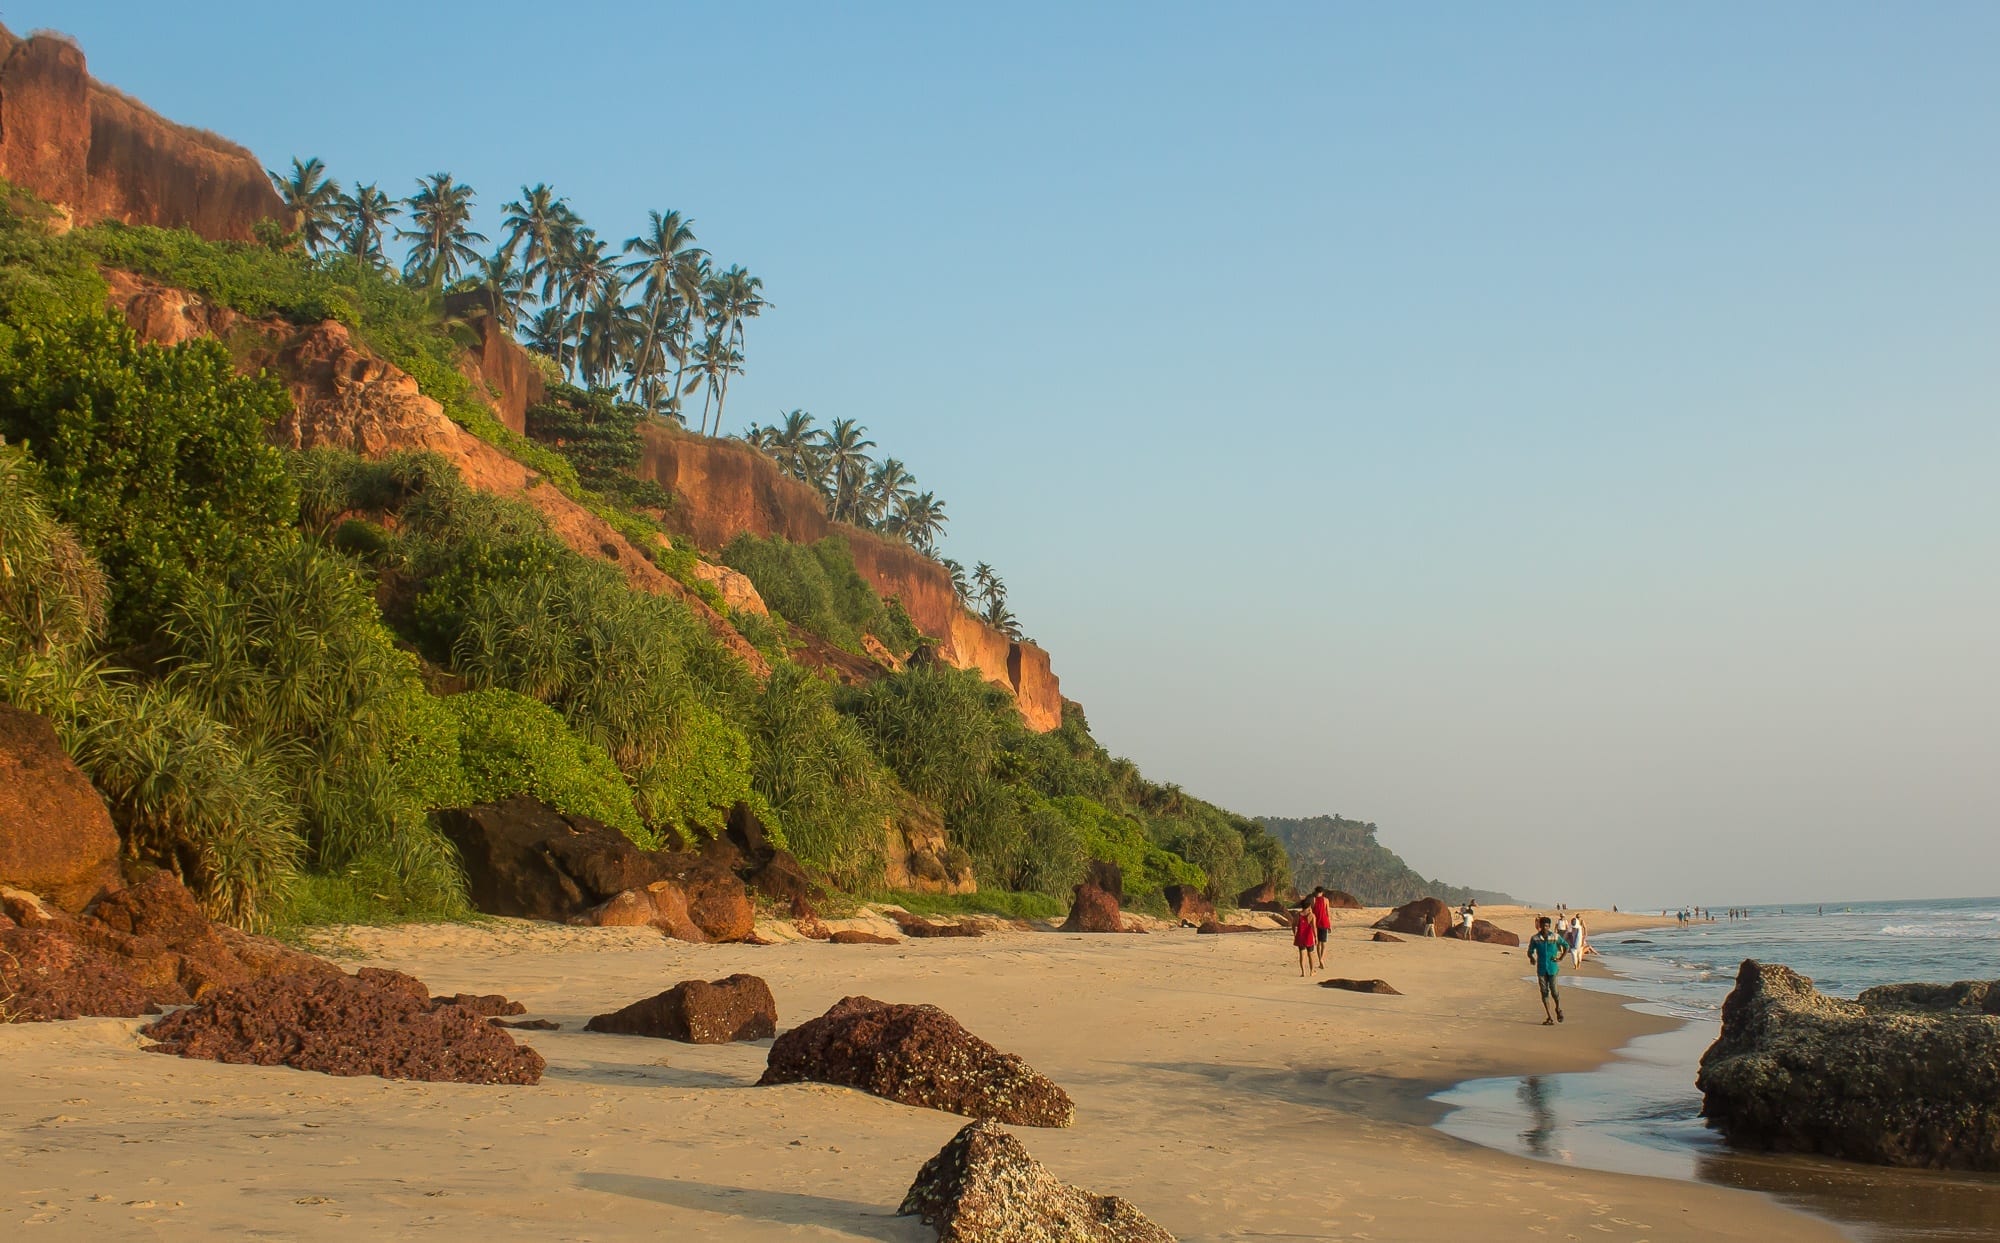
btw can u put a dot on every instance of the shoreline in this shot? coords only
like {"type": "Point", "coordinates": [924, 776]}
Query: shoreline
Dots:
{"type": "Point", "coordinates": [1199, 1065]}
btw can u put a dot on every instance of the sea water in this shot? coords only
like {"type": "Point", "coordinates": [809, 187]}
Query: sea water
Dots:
{"type": "Point", "coordinates": [1641, 1114]}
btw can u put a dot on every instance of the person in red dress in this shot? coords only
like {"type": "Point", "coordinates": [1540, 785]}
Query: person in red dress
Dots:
{"type": "Point", "coordinates": [1322, 920]}
{"type": "Point", "coordinates": [1305, 935]}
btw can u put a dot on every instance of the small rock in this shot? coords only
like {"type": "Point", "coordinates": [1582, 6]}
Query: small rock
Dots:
{"type": "Point", "coordinates": [855, 936]}
{"type": "Point", "coordinates": [1388, 937]}
{"type": "Point", "coordinates": [739, 1007]}
{"type": "Point", "coordinates": [983, 1187]}
{"type": "Point", "coordinates": [1362, 986]}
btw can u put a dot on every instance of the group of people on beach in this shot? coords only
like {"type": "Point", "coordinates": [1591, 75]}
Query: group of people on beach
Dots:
{"type": "Point", "coordinates": [1309, 930]}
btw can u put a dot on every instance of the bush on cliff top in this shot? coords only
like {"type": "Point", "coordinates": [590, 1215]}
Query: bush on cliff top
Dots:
{"type": "Point", "coordinates": [817, 588]}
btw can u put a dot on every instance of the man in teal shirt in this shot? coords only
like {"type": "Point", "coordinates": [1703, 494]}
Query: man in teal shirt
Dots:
{"type": "Point", "coordinates": [1546, 950]}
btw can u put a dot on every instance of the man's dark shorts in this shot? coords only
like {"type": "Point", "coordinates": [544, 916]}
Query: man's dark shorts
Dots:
{"type": "Point", "coordinates": [1549, 987]}
{"type": "Point", "coordinates": [1322, 938]}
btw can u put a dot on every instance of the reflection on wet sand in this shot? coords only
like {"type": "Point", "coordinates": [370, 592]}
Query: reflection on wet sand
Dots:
{"type": "Point", "coordinates": [1877, 1205]}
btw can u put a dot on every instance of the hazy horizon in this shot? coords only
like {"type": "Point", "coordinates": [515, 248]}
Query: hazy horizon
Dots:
{"type": "Point", "coordinates": [1566, 438]}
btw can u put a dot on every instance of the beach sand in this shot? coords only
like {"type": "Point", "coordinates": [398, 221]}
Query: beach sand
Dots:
{"type": "Point", "coordinates": [1222, 1094]}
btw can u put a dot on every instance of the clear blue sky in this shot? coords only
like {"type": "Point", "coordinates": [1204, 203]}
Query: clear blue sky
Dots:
{"type": "Point", "coordinates": [1568, 437]}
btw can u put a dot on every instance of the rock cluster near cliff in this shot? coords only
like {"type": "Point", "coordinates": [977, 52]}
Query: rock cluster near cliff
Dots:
{"type": "Point", "coordinates": [983, 1187]}
{"type": "Point", "coordinates": [918, 1055]}
{"type": "Point", "coordinates": [99, 155]}
{"type": "Point", "coordinates": [1425, 917]}
{"type": "Point", "coordinates": [56, 836]}
{"type": "Point", "coordinates": [130, 953]}
{"type": "Point", "coordinates": [375, 1022]}
{"type": "Point", "coordinates": [1906, 1075]}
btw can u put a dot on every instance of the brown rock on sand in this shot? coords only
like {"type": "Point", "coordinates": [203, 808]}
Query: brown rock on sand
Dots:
{"type": "Point", "coordinates": [1387, 938]}
{"type": "Point", "coordinates": [374, 1022]}
{"type": "Point", "coordinates": [1094, 909]}
{"type": "Point", "coordinates": [1211, 926]}
{"type": "Point", "coordinates": [983, 1187]}
{"type": "Point", "coordinates": [739, 1007]}
{"type": "Point", "coordinates": [56, 837]}
{"type": "Point", "coordinates": [1188, 903]}
{"type": "Point", "coordinates": [918, 1055]}
{"type": "Point", "coordinates": [1362, 986]}
{"type": "Point", "coordinates": [1263, 896]}
{"type": "Point", "coordinates": [1413, 918]}
{"type": "Point", "coordinates": [918, 926]}
{"type": "Point", "coordinates": [855, 936]}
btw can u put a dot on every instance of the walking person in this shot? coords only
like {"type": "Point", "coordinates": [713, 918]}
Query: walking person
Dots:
{"type": "Point", "coordinates": [1575, 939]}
{"type": "Point", "coordinates": [1546, 950]}
{"type": "Point", "coordinates": [1305, 935]}
{"type": "Point", "coordinates": [1322, 912]}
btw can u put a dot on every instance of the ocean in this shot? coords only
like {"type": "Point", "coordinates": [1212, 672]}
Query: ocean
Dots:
{"type": "Point", "coordinates": [1641, 1113]}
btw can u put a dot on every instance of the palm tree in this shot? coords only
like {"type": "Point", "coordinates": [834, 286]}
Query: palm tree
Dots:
{"type": "Point", "coordinates": [987, 588]}
{"type": "Point", "coordinates": [583, 269]}
{"type": "Point", "coordinates": [535, 224]}
{"type": "Point", "coordinates": [499, 285]}
{"type": "Point", "coordinates": [442, 240]}
{"type": "Point", "coordinates": [888, 486]}
{"type": "Point", "coordinates": [546, 331]}
{"type": "Point", "coordinates": [920, 519]}
{"type": "Point", "coordinates": [714, 360]}
{"type": "Point", "coordinates": [795, 445]}
{"type": "Point", "coordinates": [959, 587]}
{"type": "Point", "coordinates": [1001, 618]}
{"type": "Point", "coordinates": [846, 446]}
{"type": "Point", "coordinates": [672, 270]}
{"type": "Point", "coordinates": [608, 329]}
{"type": "Point", "coordinates": [311, 199]}
{"type": "Point", "coordinates": [364, 215]}
{"type": "Point", "coordinates": [732, 298]}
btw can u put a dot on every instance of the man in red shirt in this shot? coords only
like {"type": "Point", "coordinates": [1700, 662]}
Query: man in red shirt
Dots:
{"type": "Point", "coordinates": [1322, 914]}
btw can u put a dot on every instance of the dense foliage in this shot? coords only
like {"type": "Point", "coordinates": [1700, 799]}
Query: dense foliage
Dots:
{"type": "Point", "coordinates": [1343, 854]}
{"type": "Point", "coordinates": [276, 665]}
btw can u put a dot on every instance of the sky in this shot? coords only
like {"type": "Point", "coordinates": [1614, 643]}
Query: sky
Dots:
{"type": "Point", "coordinates": [1568, 437]}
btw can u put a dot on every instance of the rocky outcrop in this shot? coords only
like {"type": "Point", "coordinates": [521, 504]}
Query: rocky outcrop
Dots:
{"type": "Point", "coordinates": [505, 371]}
{"type": "Point", "coordinates": [916, 856]}
{"type": "Point", "coordinates": [855, 936]}
{"type": "Point", "coordinates": [983, 1187]}
{"type": "Point", "coordinates": [1362, 986]}
{"type": "Point", "coordinates": [1484, 933]}
{"type": "Point", "coordinates": [736, 589]}
{"type": "Point", "coordinates": [1266, 896]}
{"type": "Point", "coordinates": [81, 145]}
{"type": "Point", "coordinates": [1188, 904]}
{"type": "Point", "coordinates": [738, 1007]}
{"type": "Point", "coordinates": [346, 397]}
{"type": "Point", "coordinates": [56, 836]}
{"type": "Point", "coordinates": [130, 953]}
{"type": "Point", "coordinates": [923, 929]}
{"type": "Point", "coordinates": [918, 1055]}
{"type": "Point", "coordinates": [1341, 900]}
{"type": "Point", "coordinates": [1093, 910]}
{"type": "Point", "coordinates": [725, 488]}
{"type": "Point", "coordinates": [375, 1022]}
{"type": "Point", "coordinates": [1906, 1075]}
{"type": "Point", "coordinates": [1426, 917]}
{"type": "Point", "coordinates": [525, 859]}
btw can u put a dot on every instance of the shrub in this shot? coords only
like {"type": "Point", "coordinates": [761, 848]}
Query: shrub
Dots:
{"type": "Point", "coordinates": [817, 588]}
{"type": "Point", "coordinates": [155, 456]}
{"type": "Point", "coordinates": [1114, 838]}
{"type": "Point", "coordinates": [812, 768]}
{"type": "Point", "coordinates": [938, 729]}
{"type": "Point", "coordinates": [509, 744]}
{"type": "Point", "coordinates": [52, 593]}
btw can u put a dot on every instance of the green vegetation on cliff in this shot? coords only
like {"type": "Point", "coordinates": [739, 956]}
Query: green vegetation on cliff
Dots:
{"type": "Point", "coordinates": [1343, 854]}
{"type": "Point", "coordinates": [275, 665]}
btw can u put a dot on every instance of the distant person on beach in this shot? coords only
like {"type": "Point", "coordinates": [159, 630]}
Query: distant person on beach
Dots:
{"type": "Point", "coordinates": [1322, 912]}
{"type": "Point", "coordinates": [1305, 935]}
{"type": "Point", "coordinates": [1578, 947]}
{"type": "Point", "coordinates": [1545, 950]}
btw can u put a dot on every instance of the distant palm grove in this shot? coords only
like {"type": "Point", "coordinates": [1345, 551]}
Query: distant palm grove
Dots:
{"type": "Point", "coordinates": [654, 323]}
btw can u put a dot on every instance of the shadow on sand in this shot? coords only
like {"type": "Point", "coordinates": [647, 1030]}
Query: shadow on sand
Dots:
{"type": "Point", "coordinates": [786, 1208]}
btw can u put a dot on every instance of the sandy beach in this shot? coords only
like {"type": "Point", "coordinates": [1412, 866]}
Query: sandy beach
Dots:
{"type": "Point", "coordinates": [1219, 1092]}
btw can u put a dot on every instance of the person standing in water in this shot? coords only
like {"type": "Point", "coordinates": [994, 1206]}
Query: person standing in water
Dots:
{"type": "Point", "coordinates": [1305, 935]}
{"type": "Point", "coordinates": [1545, 950]}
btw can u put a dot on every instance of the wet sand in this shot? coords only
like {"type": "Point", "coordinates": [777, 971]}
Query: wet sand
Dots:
{"type": "Point", "coordinates": [1223, 1095]}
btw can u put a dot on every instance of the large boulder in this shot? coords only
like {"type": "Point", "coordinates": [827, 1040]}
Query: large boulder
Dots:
{"type": "Point", "coordinates": [1266, 896]}
{"type": "Point", "coordinates": [983, 1187]}
{"type": "Point", "coordinates": [56, 838]}
{"type": "Point", "coordinates": [1340, 900]}
{"type": "Point", "coordinates": [739, 1007]}
{"type": "Point", "coordinates": [1423, 918]}
{"type": "Point", "coordinates": [1093, 910]}
{"type": "Point", "coordinates": [1485, 933]}
{"type": "Point", "coordinates": [1188, 904]}
{"type": "Point", "coordinates": [918, 1055]}
{"type": "Point", "coordinates": [525, 859]}
{"type": "Point", "coordinates": [1906, 1075]}
{"type": "Point", "coordinates": [132, 952]}
{"type": "Point", "coordinates": [375, 1022]}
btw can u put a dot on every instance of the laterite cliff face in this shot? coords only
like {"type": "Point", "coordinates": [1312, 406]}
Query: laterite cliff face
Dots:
{"type": "Point", "coordinates": [723, 488]}
{"type": "Point", "coordinates": [77, 143]}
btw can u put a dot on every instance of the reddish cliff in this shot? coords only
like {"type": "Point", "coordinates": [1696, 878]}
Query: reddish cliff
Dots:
{"type": "Point", "coordinates": [723, 488]}
{"type": "Point", "coordinates": [77, 143]}
{"type": "Point", "coordinates": [504, 369]}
